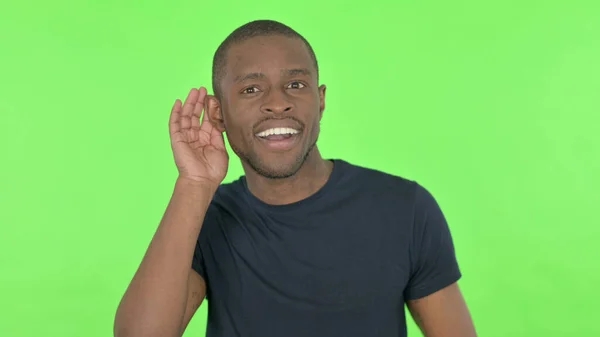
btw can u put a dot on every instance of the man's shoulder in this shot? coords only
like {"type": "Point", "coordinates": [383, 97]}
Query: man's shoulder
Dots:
{"type": "Point", "coordinates": [371, 178]}
{"type": "Point", "coordinates": [350, 179]}
{"type": "Point", "coordinates": [389, 191]}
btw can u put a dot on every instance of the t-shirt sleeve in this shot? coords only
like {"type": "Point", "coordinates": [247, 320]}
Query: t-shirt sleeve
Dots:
{"type": "Point", "coordinates": [198, 262]}
{"type": "Point", "coordinates": [433, 260]}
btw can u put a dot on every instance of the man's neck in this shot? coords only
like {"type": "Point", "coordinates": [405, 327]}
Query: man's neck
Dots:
{"type": "Point", "coordinates": [311, 177]}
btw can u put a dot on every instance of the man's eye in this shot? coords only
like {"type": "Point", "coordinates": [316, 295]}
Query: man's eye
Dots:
{"type": "Point", "coordinates": [296, 85]}
{"type": "Point", "coordinates": [250, 90]}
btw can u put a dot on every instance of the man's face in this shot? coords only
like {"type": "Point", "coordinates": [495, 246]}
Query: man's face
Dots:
{"type": "Point", "coordinates": [272, 104]}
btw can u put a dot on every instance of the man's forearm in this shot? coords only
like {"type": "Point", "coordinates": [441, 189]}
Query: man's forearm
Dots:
{"type": "Point", "coordinates": [155, 301]}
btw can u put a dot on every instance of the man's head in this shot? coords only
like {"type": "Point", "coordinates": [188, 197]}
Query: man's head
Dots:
{"type": "Point", "coordinates": [268, 99]}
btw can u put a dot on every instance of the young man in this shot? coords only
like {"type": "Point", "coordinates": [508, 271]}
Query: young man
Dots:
{"type": "Point", "coordinates": [300, 246]}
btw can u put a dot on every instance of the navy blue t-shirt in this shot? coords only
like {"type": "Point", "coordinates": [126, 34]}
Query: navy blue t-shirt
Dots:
{"type": "Point", "coordinates": [340, 263]}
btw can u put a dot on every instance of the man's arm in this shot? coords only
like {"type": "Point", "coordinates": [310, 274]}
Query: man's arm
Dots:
{"type": "Point", "coordinates": [165, 291]}
{"type": "Point", "coordinates": [196, 295]}
{"type": "Point", "coordinates": [443, 314]}
{"type": "Point", "coordinates": [432, 295]}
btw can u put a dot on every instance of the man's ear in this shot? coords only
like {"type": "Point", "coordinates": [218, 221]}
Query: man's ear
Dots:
{"type": "Point", "coordinates": [322, 90]}
{"type": "Point", "coordinates": [214, 112]}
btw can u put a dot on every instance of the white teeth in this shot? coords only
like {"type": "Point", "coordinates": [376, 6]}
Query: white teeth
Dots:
{"type": "Point", "coordinates": [277, 131]}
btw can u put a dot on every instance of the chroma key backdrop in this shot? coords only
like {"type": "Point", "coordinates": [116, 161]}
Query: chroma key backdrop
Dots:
{"type": "Point", "coordinates": [492, 105]}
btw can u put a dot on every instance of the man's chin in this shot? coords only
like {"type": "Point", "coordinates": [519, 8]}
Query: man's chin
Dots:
{"type": "Point", "coordinates": [277, 170]}
{"type": "Point", "coordinates": [273, 165]}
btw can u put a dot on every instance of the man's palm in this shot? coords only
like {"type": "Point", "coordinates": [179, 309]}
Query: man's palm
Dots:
{"type": "Point", "coordinates": [198, 147]}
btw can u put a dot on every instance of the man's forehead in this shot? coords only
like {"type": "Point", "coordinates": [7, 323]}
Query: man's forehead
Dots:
{"type": "Point", "coordinates": [278, 42]}
{"type": "Point", "coordinates": [269, 54]}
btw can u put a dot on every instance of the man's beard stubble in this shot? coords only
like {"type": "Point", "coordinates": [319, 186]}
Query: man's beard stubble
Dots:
{"type": "Point", "coordinates": [259, 167]}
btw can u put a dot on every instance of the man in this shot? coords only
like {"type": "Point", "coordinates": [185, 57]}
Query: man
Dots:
{"type": "Point", "coordinates": [299, 246]}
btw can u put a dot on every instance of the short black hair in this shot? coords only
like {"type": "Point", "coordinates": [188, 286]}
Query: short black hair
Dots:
{"type": "Point", "coordinates": [247, 31]}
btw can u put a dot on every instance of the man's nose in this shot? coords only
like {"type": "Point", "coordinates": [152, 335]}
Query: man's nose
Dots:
{"type": "Point", "coordinates": [277, 103]}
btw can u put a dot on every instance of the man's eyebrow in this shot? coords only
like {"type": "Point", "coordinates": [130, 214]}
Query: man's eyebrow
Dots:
{"type": "Point", "coordinates": [249, 76]}
{"type": "Point", "coordinates": [296, 72]}
{"type": "Point", "coordinates": [285, 72]}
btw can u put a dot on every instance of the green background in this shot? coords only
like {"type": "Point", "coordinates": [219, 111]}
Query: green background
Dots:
{"type": "Point", "coordinates": [492, 105]}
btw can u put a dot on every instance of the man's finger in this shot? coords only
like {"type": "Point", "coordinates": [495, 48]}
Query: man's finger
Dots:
{"type": "Point", "coordinates": [198, 107]}
{"type": "Point", "coordinates": [217, 139]}
{"type": "Point", "coordinates": [190, 102]}
{"type": "Point", "coordinates": [174, 118]}
{"type": "Point", "coordinates": [188, 108]}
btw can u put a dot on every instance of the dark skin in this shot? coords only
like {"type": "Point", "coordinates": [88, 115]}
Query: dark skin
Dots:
{"type": "Point", "coordinates": [283, 87]}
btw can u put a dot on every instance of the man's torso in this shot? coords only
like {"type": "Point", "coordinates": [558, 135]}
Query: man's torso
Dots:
{"type": "Point", "coordinates": [335, 264]}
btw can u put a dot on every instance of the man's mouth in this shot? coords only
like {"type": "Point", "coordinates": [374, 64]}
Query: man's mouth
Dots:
{"type": "Point", "coordinates": [275, 134]}
{"type": "Point", "coordinates": [279, 139]}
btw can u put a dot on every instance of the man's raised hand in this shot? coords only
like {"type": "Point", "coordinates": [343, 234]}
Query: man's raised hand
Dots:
{"type": "Point", "coordinates": [198, 147]}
